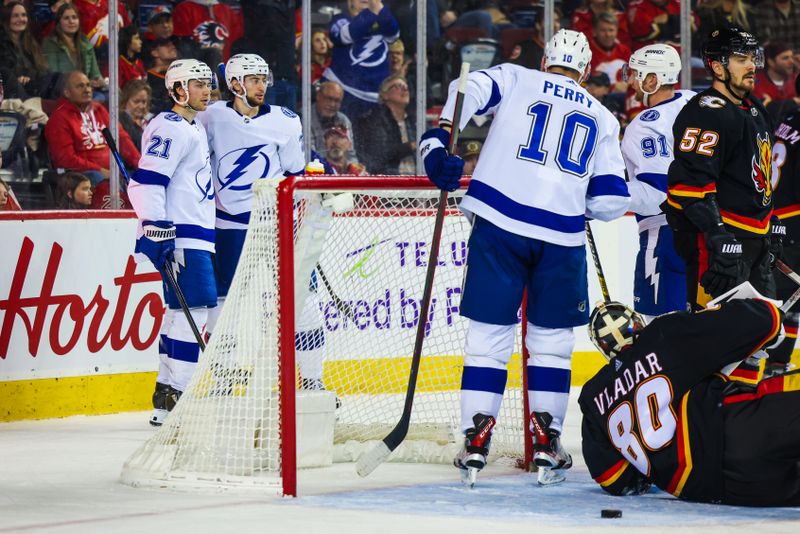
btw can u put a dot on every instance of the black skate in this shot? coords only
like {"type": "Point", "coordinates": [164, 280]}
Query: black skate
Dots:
{"type": "Point", "coordinates": [472, 457]}
{"type": "Point", "coordinates": [315, 384]}
{"type": "Point", "coordinates": [160, 410]}
{"type": "Point", "coordinates": [548, 453]}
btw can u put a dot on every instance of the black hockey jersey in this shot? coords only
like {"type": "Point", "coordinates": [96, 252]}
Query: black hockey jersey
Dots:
{"type": "Point", "coordinates": [786, 173]}
{"type": "Point", "coordinates": [723, 149]}
{"type": "Point", "coordinates": [654, 411]}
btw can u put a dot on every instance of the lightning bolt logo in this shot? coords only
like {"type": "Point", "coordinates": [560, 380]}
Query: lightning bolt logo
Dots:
{"type": "Point", "coordinates": [651, 260]}
{"type": "Point", "coordinates": [240, 167]}
{"type": "Point", "coordinates": [368, 51]}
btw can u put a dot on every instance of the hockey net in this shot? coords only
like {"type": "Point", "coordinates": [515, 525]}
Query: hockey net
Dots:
{"type": "Point", "coordinates": [347, 255]}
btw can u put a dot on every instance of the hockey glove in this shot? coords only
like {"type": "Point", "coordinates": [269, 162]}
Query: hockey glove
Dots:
{"type": "Point", "coordinates": [442, 169]}
{"type": "Point", "coordinates": [724, 263]}
{"type": "Point", "coordinates": [776, 237]}
{"type": "Point", "coordinates": [158, 242]}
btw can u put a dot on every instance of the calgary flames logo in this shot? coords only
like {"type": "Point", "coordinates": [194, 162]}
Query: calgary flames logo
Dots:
{"type": "Point", "coordinates": [762, 168]}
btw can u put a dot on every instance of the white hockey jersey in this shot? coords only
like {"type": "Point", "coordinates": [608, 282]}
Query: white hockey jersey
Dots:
{"type": "Point", "coordinates": [245, 149]}
{"type": "Point", "coordinates": [647, 149]}
{"type": "Point", "coordinates": [551, 157]}
{"type": "Point", "coordinates": [173, 181]}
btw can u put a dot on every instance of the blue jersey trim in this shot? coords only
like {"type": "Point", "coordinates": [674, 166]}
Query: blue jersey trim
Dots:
{"type": "Point", "coordinates": [654, 179]}
{"type": "Point", "coordinates": [146, 177]}
{"type": "Point", "coordinates": [241, 218]}
{"type": "Point", "coordinates": [185, 351]}
{"type": "Point", "coordinates": [549, 379]}
{"type": "Point", "coordinates": [193, 231]}
{"type": "Point", "coordinates": [512, 209]}
{"type": "Point", "coordinates": [310, 339]}
{"type": "Point", "coordinates": [607, 184]}
{"type": "Point", "coordinates": [494, 98]}
{"type": "Point", "coordinates": [485, 379]}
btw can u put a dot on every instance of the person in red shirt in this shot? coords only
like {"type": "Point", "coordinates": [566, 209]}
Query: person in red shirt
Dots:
{"type": "Point", "coordinates": [776, 82]}
{"type": "Point", "coordinates": [94, 19]}
{"type": "Point", "coordinates": [130, 46]}
{"type": "Point", "coordinates": [583, 19]}
{"type": "Point", "coordinates": [651, 21]}
{"type": "Point", "coordinates": [608, 54]}
{"type": "Point", "coordinates": [74, 132]}
{"type": "Point", "coordinates": [212, 26]}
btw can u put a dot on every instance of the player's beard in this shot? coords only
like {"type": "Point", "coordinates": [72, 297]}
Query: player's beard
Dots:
{"type": "Point", "coordinates": [254, 103]}
{"type": "Point", "coordinates": [742, 87]}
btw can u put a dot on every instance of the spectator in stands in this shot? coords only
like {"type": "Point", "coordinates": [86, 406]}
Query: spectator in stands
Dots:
{"type": "Point", "coordinates": [160, 27]}
{"type": "Point", "coordinates": [134, 107]}
{"type": "Point", "coordinates": [94, 22]}
{"type": "Point", "coordinates": [608, 54]}
{"type": "Point", "coordinates": [162, 53]}
{"type": "Point", "coordinates": [67, 49]}
{"type": "Point", "coordinates": [469, 152]}
{"type": "Point", "coordinates": [485, 15]}
{"type": "Point", "coordinates": [5, 192]}
{"type": "Point", "coordinates": [529, 53]}
{"type": "Point", "coordinates": [583, 19]}
{"type": "Point", "coordinates": [19, 51]}
{"type": "Point", "coordinates": [74, 192]}
{"type": "Point", "coordinates": [320, 54]}
{"type": "Point", "coordinates": [360, 62]}
{"type": "Point", "coordinates": [130, 65]}
{"type": "Point", "coordinates": [778, 20]}
{"type": "Point", "coordinates": [718, 14]}
{"type": "Point", "coordinates": [398, 63]}
{"type": "Point", "coordinates": [43, 29]}
{"type": "Point", "coordinates": [213, 27]}
{"type": "Point", "coordinates": [339, 150]}
{"type": "Point", "coordinates": [326, 114]}
{"type": "Point", "coordinates": [74, 132]}
{"type": "Point", "coordinates": [101, 197]}
{"type": "Point", "coordinates": [776, 82]}
{"type": "Point", "coordinates": [651, 21]}
{"type": "Point", "coordinates": [385, 140]}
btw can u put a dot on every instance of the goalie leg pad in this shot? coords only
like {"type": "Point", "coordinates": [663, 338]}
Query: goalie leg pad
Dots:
{"type": "Point", "coordinates": [549, 370]}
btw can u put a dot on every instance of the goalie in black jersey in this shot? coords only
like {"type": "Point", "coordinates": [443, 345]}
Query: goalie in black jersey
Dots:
{"type": "Point", "coordinates": [662, 413]}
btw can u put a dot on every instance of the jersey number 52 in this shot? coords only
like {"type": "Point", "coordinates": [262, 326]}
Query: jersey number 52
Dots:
{"type": "Point", "coordinates": [697, 140]}
{"type": "Point", "coordinates": [576, 144]}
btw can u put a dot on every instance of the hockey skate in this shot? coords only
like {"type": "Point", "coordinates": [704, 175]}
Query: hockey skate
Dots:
{"type": "Point", "coordinates": [472, 457]}
{"type": "Point", "coordinates": [315, 384]}
{"type": "Point", "coordinates": [160, 410]}
{"type": "Point", "coordinates": [548, 453]}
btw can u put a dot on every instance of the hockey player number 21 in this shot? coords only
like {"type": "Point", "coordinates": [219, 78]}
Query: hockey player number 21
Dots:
{"type": "Point", "coordinates": [159, 147]}
{"type": "Point", "coordinates": [653, 413]}
{"type": "Point", "coordinates": [576, 127]}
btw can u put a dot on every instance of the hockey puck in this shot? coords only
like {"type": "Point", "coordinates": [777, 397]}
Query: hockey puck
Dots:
{"type": "Point", "coordinates": [611, 514]}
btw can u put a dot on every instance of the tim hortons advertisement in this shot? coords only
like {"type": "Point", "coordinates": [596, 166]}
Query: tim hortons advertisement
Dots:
{"type": "Point", "coordinates": [72, 300]}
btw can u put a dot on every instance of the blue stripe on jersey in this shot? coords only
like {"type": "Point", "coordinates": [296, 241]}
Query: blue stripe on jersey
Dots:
{"type": "Point", "coordinates": [185, 351]}
{"type": "Point", "coordinates": [193, 231]}
{"type": "Point", "coordinates": [548, 379]}
{"type": "Point", "coordinates": [145, 177]}
{"type": "Point", "coordinates": [241, 218]}
{"type": "Point", "coordinates": [484, 379]}
{"type": "Point", "coordinates": [607, 184]}
{"type": "Point", "coordinates": [654, 179]}
{"type": "Point", "coordinates": [527, 214]}
{"type": "Point", "coordinates": [494, 98]}
{"type": "Point", "coordinates": [309, 340]}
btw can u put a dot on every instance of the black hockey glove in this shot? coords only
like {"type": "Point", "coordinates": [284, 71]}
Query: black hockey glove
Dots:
{"type": "Point", "coordinates": [724, 262]}
{"type": "Point", "coordinates": [776, 237]}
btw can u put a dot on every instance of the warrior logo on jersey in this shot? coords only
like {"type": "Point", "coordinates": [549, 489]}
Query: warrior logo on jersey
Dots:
{"type": "Point", "coordinates": [250, 162]}
{"type": "Point", "coordinates": [369, 53]}
{"type": "Point", "coordinates": [762, 167]}
{"type": "Point", "coordinates": [210, 33]}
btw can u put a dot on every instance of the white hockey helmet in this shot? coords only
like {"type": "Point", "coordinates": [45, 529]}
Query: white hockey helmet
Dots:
{"type": "Point", "coordinates": [568, 48]}
{"type": "Point", "coordinates": [181, 71]}
{"type": "Point", "coordinates": [659, 59]}
{"type": "Point", "coordinates": [242, 65]}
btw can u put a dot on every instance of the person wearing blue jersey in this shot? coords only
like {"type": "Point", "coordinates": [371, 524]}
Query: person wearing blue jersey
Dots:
{"type": "Point", "coordinates": [173, 196]}
{"type": "Point", "coordinates": [660, 274]}
{"type": "Point", "coordinates": [360, 60]}
{"type": "Point", "coordinates": [551, 159]}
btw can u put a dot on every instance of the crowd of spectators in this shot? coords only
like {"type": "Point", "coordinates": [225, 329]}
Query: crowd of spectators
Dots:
{"type": "Point", "coordinates": [54, 66]}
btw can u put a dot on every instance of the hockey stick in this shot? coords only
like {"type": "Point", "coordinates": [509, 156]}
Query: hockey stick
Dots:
{"type": "Point", "coordinates": [794, 277]}
{"type": "Point", "coordinates": [597, 266]}
{"type": "Point", "coordinates": [373, 458]}
{"type": "Point", "coordinates": [341, 305]}
{"type": "Point", "coordinates": [167, 265]}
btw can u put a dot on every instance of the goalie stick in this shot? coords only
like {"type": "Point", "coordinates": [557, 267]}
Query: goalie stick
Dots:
{"type": "Point", "coordinates": [794, 277]}
{"type": "Point", "coordinates": [341, 305]}
{"type": "Point", "coordinates": [112, 145]}
{"type": "Point", "coordinates": [373, 458]}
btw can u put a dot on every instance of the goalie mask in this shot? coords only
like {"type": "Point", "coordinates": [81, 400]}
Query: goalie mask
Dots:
{"type": "Point", "coordinates": [613, 327]}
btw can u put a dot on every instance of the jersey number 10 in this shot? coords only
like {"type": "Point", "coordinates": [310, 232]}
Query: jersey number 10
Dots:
{"type": "Point", "coordinates": [577, 128]}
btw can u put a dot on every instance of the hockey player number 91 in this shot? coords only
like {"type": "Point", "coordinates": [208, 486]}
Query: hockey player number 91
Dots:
{"type": "Point", "coordinates": [657, 422]}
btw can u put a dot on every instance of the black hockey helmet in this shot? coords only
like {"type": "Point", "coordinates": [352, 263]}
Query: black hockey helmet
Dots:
{"type": "Point", "coordinates": [723, 43]}
{"type": "Point", "coordinates": [614, 326]}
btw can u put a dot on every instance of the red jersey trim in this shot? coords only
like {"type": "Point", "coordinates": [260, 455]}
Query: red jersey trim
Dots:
{"type": "Point", "coordinates": [612, 474]}
{"type": "Point", "coordinates": [750, 224]}
{"type": "Point", "coordinates": [684, 451]}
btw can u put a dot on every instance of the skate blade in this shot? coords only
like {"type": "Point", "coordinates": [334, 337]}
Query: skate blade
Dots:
{"type": "Point", "coordinates": [469, 476]}
{"type": "Point", "coordinates": [549, 477]}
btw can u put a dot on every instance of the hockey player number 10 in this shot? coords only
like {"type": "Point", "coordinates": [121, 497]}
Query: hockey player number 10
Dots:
{"type": "Point", "coordinates": [577, 126]}
{"type": "Point", "coordinates": [657, 422]}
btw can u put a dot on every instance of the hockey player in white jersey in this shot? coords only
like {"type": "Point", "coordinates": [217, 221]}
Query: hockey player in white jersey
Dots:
{"type": "Point", "coordinates": [660, 274]}
{"type": "Point", "coordinates": [550, 160]}
{"type": "Point", "coordinates": [173, 196]}
{"type": "Point", "coordinates": [251, 140]}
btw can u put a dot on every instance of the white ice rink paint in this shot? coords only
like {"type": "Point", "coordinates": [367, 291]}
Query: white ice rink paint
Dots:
{"type": "Point", "coordinates": [60, 476]}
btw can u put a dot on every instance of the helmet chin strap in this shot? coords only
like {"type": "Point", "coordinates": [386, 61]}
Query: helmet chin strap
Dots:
{"type": "Point", "coordinates": [242, 96]}
{"type": "Point", "coordinates": [646, 99]}
{"type": "Point", "coordinates": [184, 102]}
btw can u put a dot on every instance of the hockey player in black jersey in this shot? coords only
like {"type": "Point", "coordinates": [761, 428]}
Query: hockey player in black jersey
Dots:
{"type": "Point", "coordinates": [662, 413]}
{"type": "Point", "coordinates": [719, 199]}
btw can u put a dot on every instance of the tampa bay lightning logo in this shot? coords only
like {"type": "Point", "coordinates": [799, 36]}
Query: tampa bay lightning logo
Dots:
{"type": "Point", "coordinates": [250, 163]}
{"type": "Point", "coordinates": [204, 182]}
{"type": "Point", "coordinates": [369, 53]}
{"type": "Point", "coordinates": [172, 116]}
{"type": "Point", "coordinates": [210, 33]}
{"type": "Point", "coordinates": [650, 115]}
{"type": "Point", "coordinates": [289, 113]}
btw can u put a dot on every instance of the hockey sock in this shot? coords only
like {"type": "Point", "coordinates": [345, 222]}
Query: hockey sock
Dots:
{"type": "Point", "coordinates": [309, 345]}
{"type": "Point", "coordinates": [782, 354]}
{"type": "Point", "coordinates": [184, 350]}
{"type": "Point", "coordinates": [163, 376]}
{"type": "Point", "coordinates": [549, 371]}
